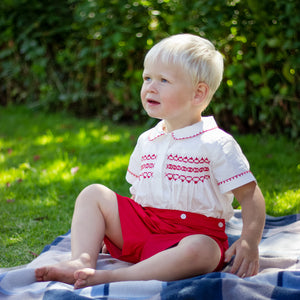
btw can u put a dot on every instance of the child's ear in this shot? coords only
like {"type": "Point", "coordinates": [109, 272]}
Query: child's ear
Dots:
{"type": "Point", "coordinates": [201, 93]}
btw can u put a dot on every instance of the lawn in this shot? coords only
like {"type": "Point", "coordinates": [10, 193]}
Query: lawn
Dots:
{"type": "Point", "coordinates": [46, 159]}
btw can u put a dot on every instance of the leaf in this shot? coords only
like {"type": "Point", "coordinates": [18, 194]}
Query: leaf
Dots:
{"type": "Point", "coordinates": [36, 157]}
{"type": "Point", "coordinates": [74, 170]}
{"type": "Point", "coordinates": [25, 166]}
{"type": "Point", "coordinates": [33, 253]}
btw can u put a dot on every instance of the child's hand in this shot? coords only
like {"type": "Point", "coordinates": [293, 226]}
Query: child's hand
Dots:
{"type": "Point", "coordinates": [246, 262]}
{"type": "Point", "coordinates": [245, 249]}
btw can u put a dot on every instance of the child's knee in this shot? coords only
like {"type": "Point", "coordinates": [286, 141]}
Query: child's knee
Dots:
{"type": "Point", "coordinates": [202, 248]}
{"type": "Point", "coordinates": [93, 192]}
{"type": "Point", "coordinates": [96, 188]}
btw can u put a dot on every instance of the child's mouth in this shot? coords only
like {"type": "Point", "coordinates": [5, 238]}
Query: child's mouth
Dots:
{"type": "Point", "coordinates": [152, 102]}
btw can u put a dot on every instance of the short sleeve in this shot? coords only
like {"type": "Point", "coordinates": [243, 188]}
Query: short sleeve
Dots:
{"type": "Point", "coordinates": [230, 166]}
{"type": "Point", "coordinates": [134, 166]}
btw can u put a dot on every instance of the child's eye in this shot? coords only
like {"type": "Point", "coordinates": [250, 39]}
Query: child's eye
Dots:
{"type": "Point", "coordinates": [164, 80]}
{"type": "Point", "coordinates": [146, 78]}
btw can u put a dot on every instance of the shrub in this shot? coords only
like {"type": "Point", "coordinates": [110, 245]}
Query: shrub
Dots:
{"type": "Point", "coordinates": [87, 56]}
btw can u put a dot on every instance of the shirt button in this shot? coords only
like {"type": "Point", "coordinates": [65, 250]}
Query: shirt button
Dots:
{"type": "Point", "coordinates": [183, 216]}
{"type": "Point", "coordinates": [220, 224]}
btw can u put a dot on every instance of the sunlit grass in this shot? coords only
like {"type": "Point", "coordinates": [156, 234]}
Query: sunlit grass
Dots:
{"type": "Point", "coordinates": [47, 159]}
{"type": "Point", "coordinates": [275, 162]}
{"type": "Point", "coordinates": [286, 202]}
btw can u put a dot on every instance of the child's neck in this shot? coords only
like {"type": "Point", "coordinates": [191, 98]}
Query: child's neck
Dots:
{"type": "Point", "coordinates": [167, 127]}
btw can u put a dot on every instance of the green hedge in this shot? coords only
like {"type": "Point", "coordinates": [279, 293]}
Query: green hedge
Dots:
{"type": "Point", "coordinates": [87, 55]}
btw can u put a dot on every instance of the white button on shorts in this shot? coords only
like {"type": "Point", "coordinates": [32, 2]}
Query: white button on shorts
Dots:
{"type": "Point", "coordinates": [220, 225]}
{"type": "Point", "coordinates": [183, 216]}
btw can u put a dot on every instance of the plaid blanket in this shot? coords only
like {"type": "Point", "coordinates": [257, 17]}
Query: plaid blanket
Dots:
{"type": "Point", "coordinates": [278, 278]}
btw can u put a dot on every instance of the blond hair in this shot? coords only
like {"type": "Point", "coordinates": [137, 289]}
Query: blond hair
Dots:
{"type": "Point", "coordinates": [197, 57]}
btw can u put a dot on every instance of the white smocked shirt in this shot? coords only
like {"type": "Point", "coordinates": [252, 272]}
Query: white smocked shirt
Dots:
{"type": "Point", "coordinates": [192, 169]}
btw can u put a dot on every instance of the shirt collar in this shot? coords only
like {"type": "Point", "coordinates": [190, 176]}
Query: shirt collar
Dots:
{"type": "Point", "coordinates": [206, 124]}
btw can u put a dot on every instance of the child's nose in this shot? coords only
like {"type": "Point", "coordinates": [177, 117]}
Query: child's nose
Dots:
{"type": "Point", "coordinates": [152, 87]}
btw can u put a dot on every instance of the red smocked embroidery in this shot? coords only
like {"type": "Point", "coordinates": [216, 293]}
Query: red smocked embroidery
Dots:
{"type": "Point", "coordinates": [155, 137]}
{"type": "Point", "coordinates": [189, 179]}
{"type": "Point", "coordinates": [146, 174]}
{"type": "Point", "coordinates": [187, 169]}
{"type": "Point", "coordinates": [192, 136]}
{"type": "Point", "coordinates": [187, 165]}
{"type": "Point", "coordinates": [147, 166]}
{"type": "Point", "coordinates": [131, 173]}
{"type": "Point", "coordinates": [190, 160]}
{"type": "Point", "coordinates": [149, 157]}
{"type": "Point", "coordinates": [181, 138]}
{"type": "Point", "coordinates": [143, 175]}
{"type": "Point", "coordinates": [233, 177]}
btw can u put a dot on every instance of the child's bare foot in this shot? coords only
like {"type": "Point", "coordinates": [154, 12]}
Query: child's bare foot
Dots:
{"type": "Point", "coordinates": [87, 277]}
{"type": "Point", "coordinates": [64, 271]}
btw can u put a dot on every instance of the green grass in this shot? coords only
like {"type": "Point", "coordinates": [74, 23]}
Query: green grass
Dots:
{"type": "Point", "coordinates": [275, 162]}
{"type": "Point", "coordinates": [47, 159]}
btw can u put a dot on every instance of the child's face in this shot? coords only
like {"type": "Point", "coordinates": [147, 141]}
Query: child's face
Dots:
{"type": "Point", "coordinates": [167, 93]}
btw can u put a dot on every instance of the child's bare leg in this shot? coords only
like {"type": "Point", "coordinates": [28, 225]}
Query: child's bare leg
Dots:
{"type": "Point", "coordinates": [194, 255]}
{"type": "Point", "coordinates": [95, 215]}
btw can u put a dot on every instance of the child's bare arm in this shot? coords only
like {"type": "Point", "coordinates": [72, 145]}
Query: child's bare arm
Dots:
{"type": "Point", "coordinates": [245, 249]}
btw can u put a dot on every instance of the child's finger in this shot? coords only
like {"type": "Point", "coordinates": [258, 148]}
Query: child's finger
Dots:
{"type": "Point", "coordinates": [244, 269]}
{"type": "Point", "coordinates": [236, 265]}
{"type": "Point", "coordinates": [229, 254]}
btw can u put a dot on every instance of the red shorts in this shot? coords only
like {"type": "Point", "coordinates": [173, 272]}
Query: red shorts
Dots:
{"type": "Point", "coordinates": [147, 231]}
